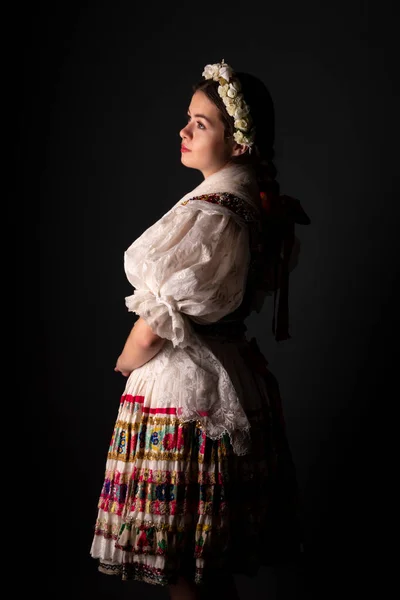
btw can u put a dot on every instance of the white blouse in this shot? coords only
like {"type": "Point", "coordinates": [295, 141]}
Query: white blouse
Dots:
{"type": "Point", "coordinates": [192, 265]}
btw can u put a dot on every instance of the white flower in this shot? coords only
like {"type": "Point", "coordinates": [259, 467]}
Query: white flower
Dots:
{"type": "Point", "coordinates": [242, 111]}
{"type": "Point", "coordinates": [210, 71]}
{"type": "Point", "coordinates": [229, 101]}
{"type": "Point", "coordinates": [226, 72]}
{"type": "Point", "coordinates": [239, 137]}
{"type": "Point", "coordinates": [223, 90]}
{"type": "Point", "coordinates": [242, 124]}
{"type": "Point", "coordinates": [232, 91]}
{"type": "Point", "coordinates": [229, 105]}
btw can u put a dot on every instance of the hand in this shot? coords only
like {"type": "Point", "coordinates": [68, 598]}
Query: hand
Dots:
{"type": "Point", "coordinates": [121, 369]}
{"type": "Point", "coordinates": [124, 373]}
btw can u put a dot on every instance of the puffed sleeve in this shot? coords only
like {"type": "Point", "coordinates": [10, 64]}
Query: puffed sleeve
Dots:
{"type": "Point", "coordinates": [192, 263]}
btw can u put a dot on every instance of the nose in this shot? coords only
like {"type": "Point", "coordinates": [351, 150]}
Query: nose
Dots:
{"type": "Point", "coordinates": [185, 132]}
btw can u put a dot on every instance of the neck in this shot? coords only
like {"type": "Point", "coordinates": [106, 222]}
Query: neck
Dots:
{"type": "Point", "coordinates": [207, 174]}
{"type": "Point", "coordinates": [237, 179]}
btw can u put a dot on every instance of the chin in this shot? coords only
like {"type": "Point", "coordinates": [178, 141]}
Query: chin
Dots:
{"type": "Point", "coordinates": [187, 163]}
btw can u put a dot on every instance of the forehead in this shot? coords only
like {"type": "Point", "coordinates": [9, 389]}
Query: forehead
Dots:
{"type": "Point", "coordinates": [201, 104]}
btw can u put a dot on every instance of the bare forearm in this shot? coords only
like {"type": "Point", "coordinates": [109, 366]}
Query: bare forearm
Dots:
{"type": "Point", "coordinates": [135, 355]}
{"type": "Point", "coordinates": [140, 347]}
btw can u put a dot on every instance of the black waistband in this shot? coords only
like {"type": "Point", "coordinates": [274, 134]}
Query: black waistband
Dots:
{"type": "Point", "coordinates": [224, 329]}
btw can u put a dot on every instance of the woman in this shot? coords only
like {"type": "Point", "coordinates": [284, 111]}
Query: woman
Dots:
{"type": "Point", "coordinates": [199, 480]}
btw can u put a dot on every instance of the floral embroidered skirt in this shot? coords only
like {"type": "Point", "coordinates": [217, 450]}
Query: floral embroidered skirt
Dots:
{"type": "Point", "coordinates": [175, 502]}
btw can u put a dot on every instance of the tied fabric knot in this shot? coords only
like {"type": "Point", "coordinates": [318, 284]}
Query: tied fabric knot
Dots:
{"type": "Point", "coordinates": [284, 207]}
{"type": "Point", "coordinates": [178, 323]}
{"type": "Point", "coordinates": [167, 301]}
{"type": "Point", "coordinates": [281, 213]}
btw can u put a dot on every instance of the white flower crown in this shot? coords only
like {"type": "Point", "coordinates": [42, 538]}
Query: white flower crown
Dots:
{"type": "Point", "coordinates": [229, 90]}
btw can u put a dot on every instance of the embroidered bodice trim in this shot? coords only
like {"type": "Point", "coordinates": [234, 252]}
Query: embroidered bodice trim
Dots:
{"type": "Point", "coordinates": [237, 205]}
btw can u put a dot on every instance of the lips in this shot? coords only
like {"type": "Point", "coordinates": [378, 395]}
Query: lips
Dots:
{"type": "Point", "coordinates": [184, 149]}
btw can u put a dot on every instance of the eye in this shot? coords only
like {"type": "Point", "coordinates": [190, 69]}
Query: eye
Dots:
{"type": "Point", "coordinates": [198, 123]}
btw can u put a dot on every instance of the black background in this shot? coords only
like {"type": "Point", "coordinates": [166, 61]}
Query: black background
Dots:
{"type": "Point", "coordinates": [104, 92]}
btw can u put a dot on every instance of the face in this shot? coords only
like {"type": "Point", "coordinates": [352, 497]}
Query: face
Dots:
{"type": "Point", "coordinates": [204, 146]}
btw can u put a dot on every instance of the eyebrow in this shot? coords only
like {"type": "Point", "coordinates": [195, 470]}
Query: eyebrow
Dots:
{"type": "Point", "coordinates": [199, 116]}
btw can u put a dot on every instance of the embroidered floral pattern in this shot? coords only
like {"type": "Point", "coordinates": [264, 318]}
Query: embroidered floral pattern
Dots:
{"type": "Point", "coordinates": [219, 491]}
{"type": "Point", "coordinates": [240, 207]}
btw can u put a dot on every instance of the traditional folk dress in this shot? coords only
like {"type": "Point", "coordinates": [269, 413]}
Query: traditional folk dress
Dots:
{"type": "Point", "coordinates": [199, 475]}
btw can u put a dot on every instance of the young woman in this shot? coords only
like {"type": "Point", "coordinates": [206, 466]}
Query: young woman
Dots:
{"type": "Point", "coordinates": [199, 482]}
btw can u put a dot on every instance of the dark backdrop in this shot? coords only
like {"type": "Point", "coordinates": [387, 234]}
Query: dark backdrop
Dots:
{"type": "Point", "coordinates": [105, 90]}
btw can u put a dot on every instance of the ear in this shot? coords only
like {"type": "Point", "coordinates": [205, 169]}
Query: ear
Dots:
{"type": "Point", "coordinates": [239, 149]}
